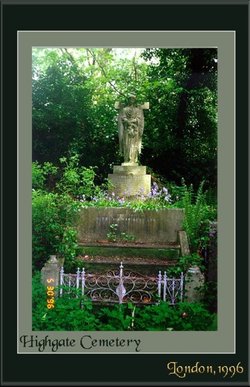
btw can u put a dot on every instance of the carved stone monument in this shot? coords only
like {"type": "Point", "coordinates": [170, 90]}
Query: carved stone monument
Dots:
{"type": "Point", "coordinates": [129, 178]}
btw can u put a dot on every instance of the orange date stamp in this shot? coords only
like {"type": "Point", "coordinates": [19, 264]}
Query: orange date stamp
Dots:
{"type": "Point", "coordinates": [50, 292]}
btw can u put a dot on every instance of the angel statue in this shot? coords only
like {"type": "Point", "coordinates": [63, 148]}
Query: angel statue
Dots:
{"type": "Point", "coordinates": [130, 129]}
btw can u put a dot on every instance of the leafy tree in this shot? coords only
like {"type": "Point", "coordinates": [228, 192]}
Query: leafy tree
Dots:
{"type": "Point", "coordinates": [183, 116]}
{"type": "Point", "coordinates": [61, 105]}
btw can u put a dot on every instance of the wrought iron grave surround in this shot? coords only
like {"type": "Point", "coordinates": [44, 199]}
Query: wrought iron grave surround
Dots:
{"type": "Point", "coordinates": [121, 286]}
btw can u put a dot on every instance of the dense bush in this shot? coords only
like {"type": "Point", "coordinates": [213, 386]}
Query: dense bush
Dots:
{"type": "Point", "coordinates": [53, 231]}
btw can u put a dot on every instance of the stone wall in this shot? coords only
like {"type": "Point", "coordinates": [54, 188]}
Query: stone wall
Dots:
{"type": "Point", "coordinates": [149, 226]}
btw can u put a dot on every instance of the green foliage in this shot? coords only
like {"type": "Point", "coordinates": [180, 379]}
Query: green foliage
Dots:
{"type": "Point", "coordinates": [181, 131]}
{"type": "Point", "coordinates": [125, 237]}
{"type": "Point", "coordinates": [112, 234]}
{"type": "Point", "coordinates": [197, 213]}
{"type": "Point", "coordinates": [208, 293]}
{"type": "Point", "coordinates": [182, 317]}
{"type": "Point", "coordinates": [68, 247]}
{"type": "Point", "coordinates": [67, 178]}
{"type": "Point", "coordinates": [115, 318]}
{"type": "Point", "coordinates": [115, 236]}
{"type": "Point", "coordinates": [76, 180]}
{"type": "Point", "coordinates": [184, 263]}
{"type": "Point", "coordinates": [155, 200]}
{"type": "Point", "coordinates": [53, 231]}
{"type": "Point", "coordinates": [69, 314]}
{"type": "Point", "coordinates": [38, 177]}
{"type": "Point", "coordinates": [61, 107]}
{"type": "Point", "coordinates": [41, 173]}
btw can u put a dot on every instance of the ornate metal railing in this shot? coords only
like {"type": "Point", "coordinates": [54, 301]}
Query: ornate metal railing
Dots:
{"type": "Point", "coordinates": [123, 286]}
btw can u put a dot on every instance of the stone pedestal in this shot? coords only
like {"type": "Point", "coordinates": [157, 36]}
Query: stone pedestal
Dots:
{"type": "Point", "coordinates": [194, 284]}
{"type": "Point", "coordinates": [50, 272]}
{"type": "Point", "coordinates": [130, 180]}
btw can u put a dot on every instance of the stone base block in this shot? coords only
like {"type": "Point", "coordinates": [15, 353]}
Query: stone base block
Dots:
{"type": "Point", "coordinates": [129, 170]}
{"type": "Point", "coordinates": [130, 180]}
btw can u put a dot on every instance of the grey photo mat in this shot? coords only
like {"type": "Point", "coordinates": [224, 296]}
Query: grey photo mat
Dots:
{"type": "Point", "coordinates": [220, 341]}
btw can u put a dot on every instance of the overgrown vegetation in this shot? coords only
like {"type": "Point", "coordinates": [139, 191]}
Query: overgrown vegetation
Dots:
{"type": "Point", "coordinates": [54, 212]}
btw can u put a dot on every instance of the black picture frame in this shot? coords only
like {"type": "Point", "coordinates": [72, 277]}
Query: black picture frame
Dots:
{"type": "Point", "coordinates": [71, 369]}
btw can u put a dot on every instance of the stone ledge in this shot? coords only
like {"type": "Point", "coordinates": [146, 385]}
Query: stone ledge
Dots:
{"type": "Point", "coordinates": [129, 261]}
{"type": "Point", "coordinates": [134, 245]}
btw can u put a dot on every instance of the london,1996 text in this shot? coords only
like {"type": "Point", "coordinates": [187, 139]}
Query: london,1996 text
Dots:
{"type": "Point", "coordinates": [182, 371]}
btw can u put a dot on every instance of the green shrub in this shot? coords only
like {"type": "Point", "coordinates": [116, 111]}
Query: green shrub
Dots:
{"type": "Point", "coordinates": [115, 318]}
{"type": "Point", "coordinates": [41, 173]}
{"type": "Point", "coordinates": [184, 263]}
{"type": "Point", "coordinates": [182, 317]}
{"type": "Point", "coordinates": [76, 180]}
{"type": "Point", "coordinates": [52, 222]}
{"type": "Point", "coordinates": [197, 213]}
{"type": "Point", "coordinates": [38, 177]}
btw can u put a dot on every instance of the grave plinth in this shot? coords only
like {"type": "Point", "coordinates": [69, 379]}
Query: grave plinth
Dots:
{"type": "Point", "coordinates": [130, 179]}
{"type": "Point", "coordinates": [50, 272]}
{"type": "Point", "coordinates": [162, 226]}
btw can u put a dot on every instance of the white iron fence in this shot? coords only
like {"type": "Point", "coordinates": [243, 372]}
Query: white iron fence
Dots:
{"type": "Point", "coordinates": [121, 286]}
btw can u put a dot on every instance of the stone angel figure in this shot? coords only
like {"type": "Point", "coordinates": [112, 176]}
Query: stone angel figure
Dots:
{"type": "Point", "coordinates": [130, 129]}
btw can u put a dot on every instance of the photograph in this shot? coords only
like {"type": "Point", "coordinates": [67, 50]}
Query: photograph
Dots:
{"type": "Point", "coordinates": [124, 189]}
{"type": "Point", "coordinates": [125, 192]}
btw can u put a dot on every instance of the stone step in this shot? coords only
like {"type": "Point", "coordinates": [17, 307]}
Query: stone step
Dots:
{"type": "Point", "coordinates": [132, 251]}
{"type": "Point", "coordinates": [127, 261]}
{"type": "Point", "coordinates": [136, 245]}
{"type": "Point", "coordinates": [145, 266]}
